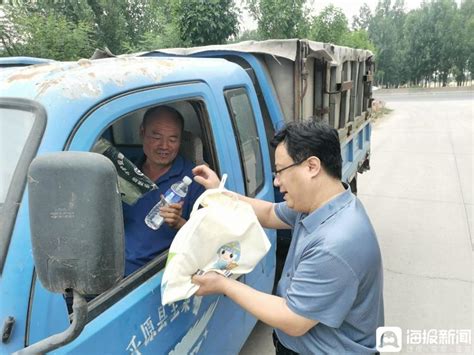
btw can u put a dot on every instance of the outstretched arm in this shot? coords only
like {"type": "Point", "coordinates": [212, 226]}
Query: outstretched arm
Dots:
{"type": "Point", "coordinates": [270, 309]}
{"type": "Point", "coordinates": [263, 209]}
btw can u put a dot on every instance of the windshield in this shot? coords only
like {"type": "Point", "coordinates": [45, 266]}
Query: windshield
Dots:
{"type": "Point", "coordinates": [15, 126]}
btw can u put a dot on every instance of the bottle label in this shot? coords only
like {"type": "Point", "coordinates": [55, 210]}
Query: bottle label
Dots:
{"type": "Point", "coordinates": [172, 197]}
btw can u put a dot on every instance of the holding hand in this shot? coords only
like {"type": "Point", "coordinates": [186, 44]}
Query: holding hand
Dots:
{"type": "Point", "coordinates": [172, 215]}
{"type": "Point", "coordinates": [206, 177]}
{"type": "Point", "coordinates": [209, 283]}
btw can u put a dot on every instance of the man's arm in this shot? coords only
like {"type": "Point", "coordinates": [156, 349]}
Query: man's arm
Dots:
{"type": "Point", "coordinates": [263, 209]}
{"type": "Point", "coordinates": [270, 309]}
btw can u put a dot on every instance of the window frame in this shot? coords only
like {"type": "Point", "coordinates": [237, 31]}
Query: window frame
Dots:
{"type": "Point", "coordinates": [108, 298]}
{"type": "Point", "coordinates": [128, 284]}
{"type": "Point", "coordinates": [228, 94]}
{"type": "Point", "coordinates": [15, 190]}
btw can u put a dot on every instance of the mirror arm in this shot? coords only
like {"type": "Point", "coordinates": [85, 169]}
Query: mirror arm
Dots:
{"type": "Point", "coordinates": [79, 320]}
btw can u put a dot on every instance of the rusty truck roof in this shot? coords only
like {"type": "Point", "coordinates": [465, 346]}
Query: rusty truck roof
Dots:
{"type": "Point", "coordinates": [98, 79]}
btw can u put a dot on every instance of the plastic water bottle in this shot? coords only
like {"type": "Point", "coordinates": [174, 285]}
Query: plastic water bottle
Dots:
{"type": "Point", "coordinates": [175, 194]}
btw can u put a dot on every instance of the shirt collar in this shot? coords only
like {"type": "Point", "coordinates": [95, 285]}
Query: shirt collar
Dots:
{"type": "Point", "coordinates": [176, 170]}
{"type": "Point", "coordinates": [320, 215]}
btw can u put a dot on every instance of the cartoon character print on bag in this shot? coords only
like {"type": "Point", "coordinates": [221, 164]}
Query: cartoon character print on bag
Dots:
{"type": "Point", "coordinates": [227, 256]}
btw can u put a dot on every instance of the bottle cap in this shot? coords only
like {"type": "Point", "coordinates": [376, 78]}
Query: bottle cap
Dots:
{"type": "Point", "coordinates": [187, 180]}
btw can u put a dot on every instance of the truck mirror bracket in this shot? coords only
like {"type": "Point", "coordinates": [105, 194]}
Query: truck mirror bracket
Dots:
{"type": "Point", "coordinates": [79, 320]}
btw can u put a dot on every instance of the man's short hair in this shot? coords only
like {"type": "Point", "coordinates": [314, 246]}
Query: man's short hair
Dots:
{"type": "Point", "coordinates": [308, 138]}
{"type": "Point", "coordinates": [158, 110]}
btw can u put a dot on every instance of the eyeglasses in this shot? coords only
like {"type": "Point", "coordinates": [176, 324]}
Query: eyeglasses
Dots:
{"type": "Point", "coordinates": [278, 172]}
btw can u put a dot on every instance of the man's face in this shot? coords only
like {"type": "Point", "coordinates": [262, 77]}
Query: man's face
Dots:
{"type": "Point", "coordinates": [289, 181]}
{"type": "Point", "coordinates": [161, 139]}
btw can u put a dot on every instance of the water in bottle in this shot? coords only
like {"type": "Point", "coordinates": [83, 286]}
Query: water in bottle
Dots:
{"type": "Point", "coordinates": [175, 194]}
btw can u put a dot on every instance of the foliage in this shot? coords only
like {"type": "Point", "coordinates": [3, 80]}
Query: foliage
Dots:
{"type": "Point", "coordinates": [155, 28]}
{"type": "Point", "coordinates": [431, 43]}
{"type": "Point", "coordinates": [45, 35]}
{"type": "Point", "coordinates": [362, 21]}
{"type": "Point", "coordinates": [386, 32]}
{"type": "Point", "coordinates": [467, 21]}
{"type": "Point", "coordinates": [279, 18]}
{"type": "Point", "coordinates": [203, 22]}
{"type": "Point", "coordinates": [120, 25]}
{"type": "Point", "coordinates": [357, 39]}
{"type": "Point", "coordinates": [248, 35]}
{"type": "Point", "coordinates": [329, 26]}
{"type": "Point", "coordinates": [427, 44]}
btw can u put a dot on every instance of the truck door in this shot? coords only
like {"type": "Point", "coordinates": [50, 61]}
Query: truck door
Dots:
{"type": "Point", "coordinates": [130, 318]}
{"type": "Point", "coordinates": [248, 131]}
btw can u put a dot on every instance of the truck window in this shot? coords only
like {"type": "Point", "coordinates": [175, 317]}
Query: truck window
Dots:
{"type": "Point", "coordinates": [196, 146]}
{"type": "Point", "coordinates": [15, 126]}
{"type": "Point", "coordinates": [125, 132]}
{"type": "Point", "coordinates": [22, 123]}
{"type": "Point", "coordinates": [243, 121]}
{"type": "Point", "coordinates": [267, 120]}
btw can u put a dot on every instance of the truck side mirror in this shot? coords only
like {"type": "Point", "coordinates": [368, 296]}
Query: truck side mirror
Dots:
{"type": "Point", "coordinates": [76, 227]}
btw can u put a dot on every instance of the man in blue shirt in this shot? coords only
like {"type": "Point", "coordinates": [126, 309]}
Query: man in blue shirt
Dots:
{"type": "Point", "coordinates": [329, 299]}
{"type": "Point", "coordinates": [161, 132]}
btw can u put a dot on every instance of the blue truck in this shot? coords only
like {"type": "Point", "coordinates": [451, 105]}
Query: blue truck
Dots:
{"type": "Point", "coordinates": [233, 98]}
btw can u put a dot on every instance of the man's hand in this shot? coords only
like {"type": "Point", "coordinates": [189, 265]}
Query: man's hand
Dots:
{"type": "Point", "coordinates": [270, 309]}
{"type": "Point", "coordinates": [172, 215]}
{"type": "Point", "coordinates": [206, 177]}
{"type": "Point", "coordinates": [209, 283]}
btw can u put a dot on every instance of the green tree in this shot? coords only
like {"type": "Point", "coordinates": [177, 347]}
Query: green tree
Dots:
{"type": "Point", "coordinates": [201, 22]}
{"type": "Point", "coordinates": [46, 35]}
{"type": "Point", "coordinates": [445, 26]}
{"type": "Point", "coordinates": [111, 23]}
{"type": "Point", "coordinates": [248, 35]}
{"type": "Point", "coordinates": [467, 22]}
{"type": "Point", "coordinates": [279, 18]}
{"type": "Point", "coordinates": [362, 21]}
{"type": "Point", "coordinates": [417, 49]}
{"type": "Point", "coordinates": [120, 25]}
{"type": "Point", "coordinates": [330, 26]}
{"type": "Point", "coordinates": [357, 39]}
{"type": "Point", "coordinates": [151, 26]}
{"type": "Point", "coordinates": [386, 32]}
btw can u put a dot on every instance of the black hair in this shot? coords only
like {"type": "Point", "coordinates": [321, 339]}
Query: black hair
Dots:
{"type": "Point", "coordinates": [308, 138]}
{"type": "Point", "coordinates": [158, 110]}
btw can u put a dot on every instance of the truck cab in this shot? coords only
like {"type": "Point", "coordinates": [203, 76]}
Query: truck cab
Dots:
{"type": "Point", "coordinates": [68, 107]}
{"type": "Point", "coordinates": [233, 98]}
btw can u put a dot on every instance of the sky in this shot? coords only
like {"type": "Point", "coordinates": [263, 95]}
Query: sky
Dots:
{"type": "Point", "coordinates": [349, 7]}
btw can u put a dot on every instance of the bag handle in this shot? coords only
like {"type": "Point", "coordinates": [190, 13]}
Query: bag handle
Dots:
{"type": "Point", "coordinates": [206, 193]}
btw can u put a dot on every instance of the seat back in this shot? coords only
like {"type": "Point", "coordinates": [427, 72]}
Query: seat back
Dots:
{"type": "Point", "coordinates": [192, 148]}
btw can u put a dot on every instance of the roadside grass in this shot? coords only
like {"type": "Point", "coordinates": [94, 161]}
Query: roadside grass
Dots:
{"type": "Point", "coordinates": [379, 109]}
{"type": "Point", "coordinates": [382, 112]}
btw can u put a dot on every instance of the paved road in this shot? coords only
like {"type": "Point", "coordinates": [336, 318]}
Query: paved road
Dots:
{"type": "Point", "coordinates": [419, 195]}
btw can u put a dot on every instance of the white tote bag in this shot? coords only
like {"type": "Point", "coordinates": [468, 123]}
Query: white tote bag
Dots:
{"type": "Point", "coordinates": [223, 236]}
